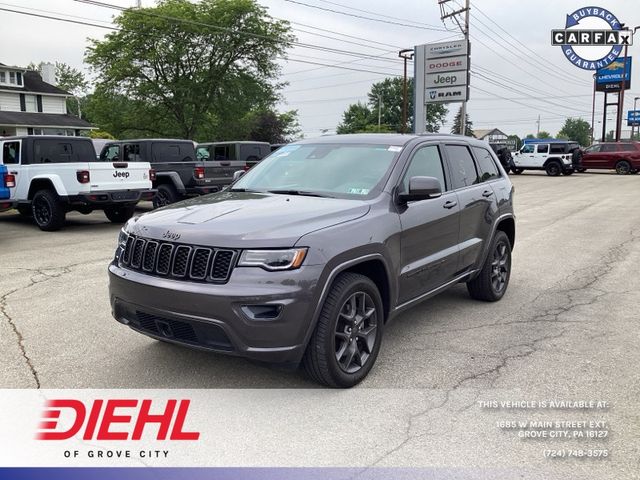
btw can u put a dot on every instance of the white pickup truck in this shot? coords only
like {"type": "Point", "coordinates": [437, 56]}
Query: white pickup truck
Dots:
{"type": "Point", "coordinates": [54, 175]}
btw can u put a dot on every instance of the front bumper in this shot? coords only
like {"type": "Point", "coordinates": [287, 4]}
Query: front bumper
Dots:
{"type": "Point", "coordinates": [106, 198]}
{"type": "Point", "coordinates": [215, 316]}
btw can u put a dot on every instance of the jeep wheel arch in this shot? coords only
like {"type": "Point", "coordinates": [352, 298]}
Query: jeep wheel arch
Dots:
{"type": "Point", "coordinates": [172, 178]}
{"type": "Point", "coordinates": [46, 183]}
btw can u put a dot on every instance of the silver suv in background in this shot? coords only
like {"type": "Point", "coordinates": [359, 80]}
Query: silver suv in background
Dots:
{"type": "Point", "coordinates": [309, 255]}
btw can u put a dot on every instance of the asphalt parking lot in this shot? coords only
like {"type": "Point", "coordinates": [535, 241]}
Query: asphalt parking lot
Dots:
{"type": "Point", "coordinates": [568, 328]}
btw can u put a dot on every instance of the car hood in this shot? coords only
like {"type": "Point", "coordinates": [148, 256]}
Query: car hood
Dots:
{"type": "Point", "coordinates": [246, 220]}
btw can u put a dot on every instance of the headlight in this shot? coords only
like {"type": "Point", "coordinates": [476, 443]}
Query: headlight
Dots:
{"type": "Point", "coordinates": [273, 259]}
{"type": "Point", "coordinates": [122, 238]}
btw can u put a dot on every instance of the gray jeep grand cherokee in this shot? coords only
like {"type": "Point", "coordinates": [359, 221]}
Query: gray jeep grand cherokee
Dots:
{"type": "Point", "coordinates": [308, 256]}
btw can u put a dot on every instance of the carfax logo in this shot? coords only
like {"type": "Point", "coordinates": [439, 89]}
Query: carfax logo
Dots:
{"type": "Point", "coordinates": [593, 38]}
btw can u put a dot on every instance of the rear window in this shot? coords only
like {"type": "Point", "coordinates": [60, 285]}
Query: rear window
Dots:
{"type": "Point", "coordinates": [488, 168]}
{"type": "Point", "coordinates": [173, 152]}
{"type": "Point", "coordinates": [463, 168]}
{"type": "Point", "coordinates": [63, 151]}
{"type": "Point", "coordinates": [558, 148]}
{"type": "Point", "coordinates": [627, 147]}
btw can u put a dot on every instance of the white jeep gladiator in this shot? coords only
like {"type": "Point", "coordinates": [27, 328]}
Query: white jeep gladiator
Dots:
{"type": "Point", "coordinates": [54, 175]}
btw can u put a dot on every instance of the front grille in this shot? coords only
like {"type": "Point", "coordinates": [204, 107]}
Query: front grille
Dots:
{"type": "Point", "coordinates": [179, 261]}
{"type": "Point", "coordinates": [203, 334]}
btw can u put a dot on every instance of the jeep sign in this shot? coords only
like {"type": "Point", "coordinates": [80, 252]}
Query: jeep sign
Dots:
{"type": "Point", "coordinates": [449, 79]}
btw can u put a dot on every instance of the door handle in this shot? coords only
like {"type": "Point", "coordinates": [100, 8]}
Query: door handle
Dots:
{"type": "Point", "coordinates": [450, 204]}
{"type": "Point", "coordinates": [487, 193]}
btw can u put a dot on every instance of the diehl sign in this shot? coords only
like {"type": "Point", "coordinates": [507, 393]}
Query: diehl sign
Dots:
{"type": "Point", "coordinates": [450, 79]}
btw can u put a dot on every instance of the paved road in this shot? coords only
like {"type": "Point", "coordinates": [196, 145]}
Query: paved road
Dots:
{"type": "Point", "coordinates": [568, 328]}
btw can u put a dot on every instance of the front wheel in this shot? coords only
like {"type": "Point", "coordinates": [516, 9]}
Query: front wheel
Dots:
{"type": "Point", "coordinates": [491, 283]}
{"type": "Point", "coordinates": [623, 167]}
{"type": "Point", "coordinates": [119, 213]}
{"type": "Point", "coordinates": [47, 211]}
{"type": "Point", "coordinates": [346, 341]}
{"type": "Point", "coordinates": [553, 169]}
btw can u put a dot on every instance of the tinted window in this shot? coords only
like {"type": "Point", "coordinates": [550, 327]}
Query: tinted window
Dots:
{"type": "Point", "coordinates": [463, 168]}
{"type": "Point", "coordinates": [11, 153]}
{"type": "Point", "coordinates": [224, 152]}
{"type": "Point", "coordinates": [426, 162]}
{"type": "Point", "coordinates": [488, 169]}
{"type": "Point", "coordinates": [172, 152]}
{"type": "Point", "coordinates": [627, 147]}
{"type": "Point", "coordinates": [593, 149]}
{"type": "Point", "coordinates": [543, 148]}
{"type": "Point", "coordinates": [609, 147]}
{"type": "Point", "coordinates": [132, 152]}
{"type": "Point", "coordinates": [63, 151]}
{"type": "Point", "coordinates": [558, 148]}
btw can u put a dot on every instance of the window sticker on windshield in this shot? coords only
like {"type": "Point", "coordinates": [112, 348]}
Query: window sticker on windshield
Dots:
{"type": "Point", "coordinates": [359, 191]}
{"type": "Point", "coordinates": [394, 148]}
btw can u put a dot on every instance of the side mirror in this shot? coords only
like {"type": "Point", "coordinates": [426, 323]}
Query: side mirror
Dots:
{"type": "Point", "coordinates": [421, 188]}
{"type": "Point", "coordinates": [237, 174]}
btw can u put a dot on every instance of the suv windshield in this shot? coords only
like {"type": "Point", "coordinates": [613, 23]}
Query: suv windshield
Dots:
{"type": "Point", "coordinates": [329, 169]}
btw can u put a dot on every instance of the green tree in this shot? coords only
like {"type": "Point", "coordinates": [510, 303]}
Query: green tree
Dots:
{"type": "Point", "coordinates": [542, 134]}
{"type": "Point", "coordinates": [387, 95]}
{"type": "Point", "coordinates": [578, 130]}
{"type": "Point", "coordinates": [517, 140]}
{"type": "Point", "coordinates": [457, 127]}
{"type": "Point", "coordinates": [530, 136]}
{"type": "Point", "coordinates": [272, 127]}
{"type": "Point", "coordinates": [185, 69]}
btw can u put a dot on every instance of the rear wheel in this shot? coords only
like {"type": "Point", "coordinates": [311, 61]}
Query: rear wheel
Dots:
{"type": "Point", "coordinates": [491, 283]}
{"type": "Point", "coordinates": [517, 171]}
{"type": "Point", "coordinates": [166, 195]}
{"type": "Point", "coordinates": [346, 341]}
{"type": "Point", "coordinates": [47, 211]}
{"type": "Point", "coordinates": [553, 168]}
{"type": "Point", "coordinates": [119, 213]}
{"type": "Point", "coordinates": [623, 167]}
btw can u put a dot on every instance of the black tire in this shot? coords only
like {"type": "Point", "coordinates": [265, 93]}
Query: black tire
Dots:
{"type": "Point", "coordinates": [623, 167]}
{"type": "Point", "coordinates": [517, 171]}
{"type": "Point", "coordinates": [48, 213]}
{"type": "Point", "coordinates": [323, 358]}
{"type": "Point", "coordinates": [24, 210]}
{"type": "Point", "coordinates": [567, 172]}
{"type": "Point", "coordinates": [166, 195]}
{"type": "Point", "coordinates": [553, 168]}
{"type": "Point", "coordinates": [119, 213]}
{"type": "Point", "coordinates": [491, 283]}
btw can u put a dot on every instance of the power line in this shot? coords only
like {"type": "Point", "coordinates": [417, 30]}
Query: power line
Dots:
{"type": "Point", "coordinates": [68, 20]}
{"type": "Point", "coordinates": [435, 29]}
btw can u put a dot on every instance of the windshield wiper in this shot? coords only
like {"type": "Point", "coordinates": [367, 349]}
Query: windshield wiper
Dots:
{"type": "Point", "coordinates": [300, 192]}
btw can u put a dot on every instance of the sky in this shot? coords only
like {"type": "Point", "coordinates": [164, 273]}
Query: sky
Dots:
{"type": "Point", "coordinates": [518, 75]}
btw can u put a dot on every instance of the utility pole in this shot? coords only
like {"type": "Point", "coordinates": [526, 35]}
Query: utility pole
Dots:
{"type": "Point", "coordinates": [593, 109]}
{"type": "Point", "coordinates": [623, 84]}
{"type": "Point", "coordinates": [538, 124]}
{"type": "Point", "coordinates": [406, 54]}
{"type": "Point", "coordinates": [379, 111]}
{"type": "Point", "coordinates": [465, 31]}
{"type": "Point", "coordinates": [138, 3]}
{"type": "Point", "coordinates": [633, 124]}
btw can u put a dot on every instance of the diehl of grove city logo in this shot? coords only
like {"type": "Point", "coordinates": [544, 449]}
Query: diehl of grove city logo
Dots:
{"type": "Point", "coordinates": [114, 419]}
{"type": "Point", "coordinates": [592, 38]}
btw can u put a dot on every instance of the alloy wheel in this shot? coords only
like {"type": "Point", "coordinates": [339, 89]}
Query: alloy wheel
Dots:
{"type": "Point", "coordinates": [41, 210]}
{"type": "Point", "coordinates": [500, 267]}
{"type": "Point", "coordinates": [356, 332]}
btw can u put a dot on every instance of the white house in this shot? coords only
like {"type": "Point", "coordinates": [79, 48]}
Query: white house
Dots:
{"type": "Point", "coordinates": [31, 105]}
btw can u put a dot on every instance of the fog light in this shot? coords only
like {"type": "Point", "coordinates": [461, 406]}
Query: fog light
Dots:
{"type": "Point", "coordinates": [262, 312]}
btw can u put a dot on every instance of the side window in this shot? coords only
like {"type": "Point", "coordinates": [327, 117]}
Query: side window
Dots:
{"type": "Point", "coordinates": [426, 162]}
{"type": "Point", "coordinates": [202, 153]}
{"type": "Point", "coordinates": [463, 168]}
{"type": "Point", "coordinates": [488, 169]}
{"type": "Point", "coordinates": [558, 148]}
{"type": "Point", "coordinates": [221, 152]}
{"type": "Point", "coordinates": [593, 149]}
{"type": "Point", "coordinates": [11, 153]}
{"type": "Point", "coordinates": [132, 152]}
{"type": "Point", "coordinates": [626, 147]}
{"type": "Point", "coordinates": [527, 149]}
{"type": "Point", "coordinates": [110, 153]}
{"type": "Point", "coordinates": [608, 147]}
{"type": "Point", "coordinates": [543, 148]}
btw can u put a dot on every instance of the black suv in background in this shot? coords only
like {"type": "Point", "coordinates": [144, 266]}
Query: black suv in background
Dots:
{"type": "Point", "coordinates": [311, 253]}
{"type": "Point", "coordinates": [179, 173]}
{"type": "Point", "coordinates": [247, 152]}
